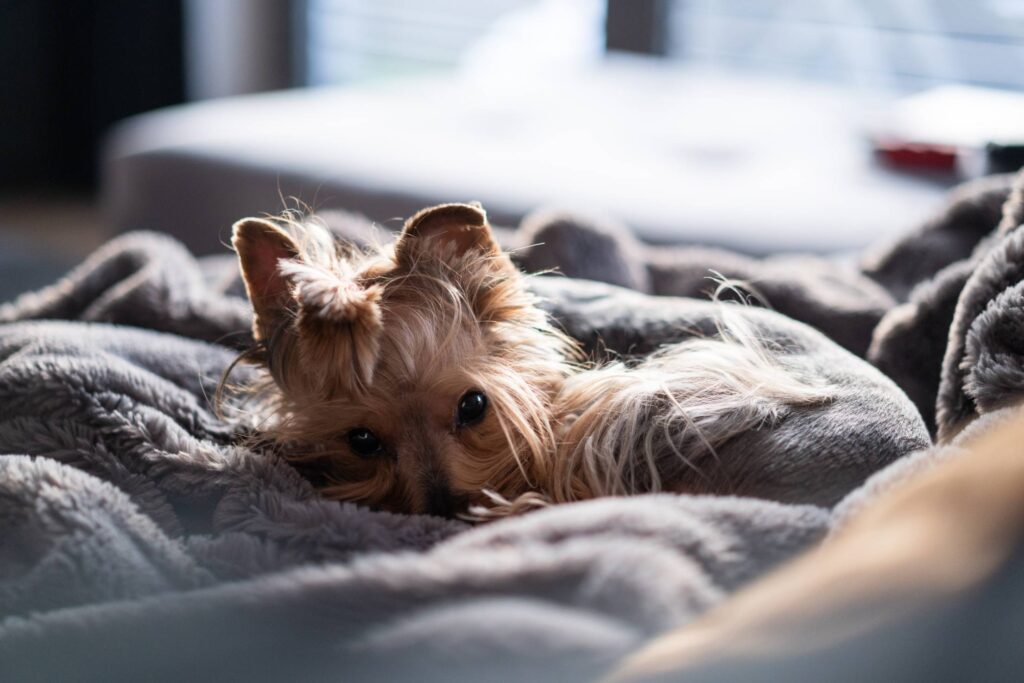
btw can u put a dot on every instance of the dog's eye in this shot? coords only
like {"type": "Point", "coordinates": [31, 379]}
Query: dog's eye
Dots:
{"type": "Point", "coordinates": [364, 442]}
{"type": "Point", "coordinates": [472, 407]}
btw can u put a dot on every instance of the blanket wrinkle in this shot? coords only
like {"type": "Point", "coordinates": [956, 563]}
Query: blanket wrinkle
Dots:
{"type": "Point", "coordinates": [994, 352]}
{"type": "Point", "coordinates": [72, 539]}
{"type": "Point", "coordinates": [827, 293]}
{"type": "Point", "coordinates": [996, 271]}
{"type": "Point", "coordinates": [949, 267]}
{"type": "Point", "coordinates": [958, 230]}
{"type": "Point", "coordinates": [141, 279]}
{"type": "Point", "coordinates": [910, 341]}
{"type": "Point", "coordinates": [330, 610]}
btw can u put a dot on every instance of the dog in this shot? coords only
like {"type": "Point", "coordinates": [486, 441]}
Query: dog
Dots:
{"type": "Point", "coordinates": [423, 377]}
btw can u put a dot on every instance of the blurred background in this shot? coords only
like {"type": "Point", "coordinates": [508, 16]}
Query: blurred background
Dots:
{"type": "Point", "coordinates": [758, 125]}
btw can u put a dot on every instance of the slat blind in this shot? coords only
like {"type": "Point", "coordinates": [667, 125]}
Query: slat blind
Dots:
{"type": "Point", "coordinates": [349, 40]}
{"type": "Point", "coordinates": [902, 44]}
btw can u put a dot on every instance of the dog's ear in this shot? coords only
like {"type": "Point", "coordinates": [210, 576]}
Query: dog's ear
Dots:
{"type": "Point", "coordinates": [261, 246]}
{"type": "Point", "coordinates": [459, 236]}
{"type": "Point", "coordinates": [446, 231]}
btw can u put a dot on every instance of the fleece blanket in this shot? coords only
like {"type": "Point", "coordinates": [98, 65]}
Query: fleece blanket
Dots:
{"type": "Point", "coordinates": [139, 541]}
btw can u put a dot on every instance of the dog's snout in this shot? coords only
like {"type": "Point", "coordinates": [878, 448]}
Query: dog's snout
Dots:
{"type": "Point", "coordinates": [441, 501]}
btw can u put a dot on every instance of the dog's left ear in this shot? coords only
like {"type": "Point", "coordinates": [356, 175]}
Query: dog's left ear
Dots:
{"type": "Point", "coordinates": [261, 247]}
{"type": "Point", "coordinates": [446, 231]}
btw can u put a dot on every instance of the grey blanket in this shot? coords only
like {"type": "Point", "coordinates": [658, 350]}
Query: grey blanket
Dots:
{"type": "Point", "coordinates": [139, 542]}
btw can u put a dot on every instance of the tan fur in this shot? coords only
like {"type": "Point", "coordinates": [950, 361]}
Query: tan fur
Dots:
{"type": "Point", "coordinates": [657, 425]}
{"type": "Point", "coordinates": [390, 339]}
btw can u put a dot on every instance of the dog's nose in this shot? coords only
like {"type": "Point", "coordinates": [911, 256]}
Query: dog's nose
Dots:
{"type": "Point", "coordinates": [442, 502]}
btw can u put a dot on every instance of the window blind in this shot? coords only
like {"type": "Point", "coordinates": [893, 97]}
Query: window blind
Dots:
{"type": "Point", "coordinates": [351, 40]}
{"type": "Point", "coordinates": [903, 44]}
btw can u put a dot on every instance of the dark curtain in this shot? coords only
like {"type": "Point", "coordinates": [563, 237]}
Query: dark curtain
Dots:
{"type": "Point", "coordinates": [71, 68]}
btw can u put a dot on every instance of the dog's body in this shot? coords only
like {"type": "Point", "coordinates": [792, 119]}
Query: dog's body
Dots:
{"type": "Point", "coordinates": [427, 380]}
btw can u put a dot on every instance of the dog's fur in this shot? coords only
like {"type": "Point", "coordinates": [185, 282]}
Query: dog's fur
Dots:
{"type": "Point", "coordinates": [389, 339]}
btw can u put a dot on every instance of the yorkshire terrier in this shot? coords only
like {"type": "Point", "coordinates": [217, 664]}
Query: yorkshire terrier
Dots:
{"type": "Point", "coordinates": [424, 378]}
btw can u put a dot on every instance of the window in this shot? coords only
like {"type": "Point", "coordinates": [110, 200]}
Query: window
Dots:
{"type": "Point", "coordinates": [352, 40]}
{"type": "Point", "coordinates": [899, 45]}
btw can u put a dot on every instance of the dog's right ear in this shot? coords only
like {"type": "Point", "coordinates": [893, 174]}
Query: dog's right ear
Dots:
{"type": "Point", "coordinates": [261, 246]}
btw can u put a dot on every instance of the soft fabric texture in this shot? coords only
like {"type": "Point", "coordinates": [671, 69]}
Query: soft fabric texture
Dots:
{"type": "Point", "coordinates": [827, 294]}
{"type": "Point", "coordinates": [972, 212]}
{"type": "Point", "coordinates": [271, 570]}
{"type": "Point", "coordinates": [141, 541]}
{"type": "Point", "coordinates": [931, 345]}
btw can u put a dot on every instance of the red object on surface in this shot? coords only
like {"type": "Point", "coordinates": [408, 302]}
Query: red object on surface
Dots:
{"type": "Point", "coordinates": [916, 156]}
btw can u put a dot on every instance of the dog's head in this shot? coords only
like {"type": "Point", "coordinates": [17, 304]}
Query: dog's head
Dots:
{"type": "Point", "coordinates": [421, 374]}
